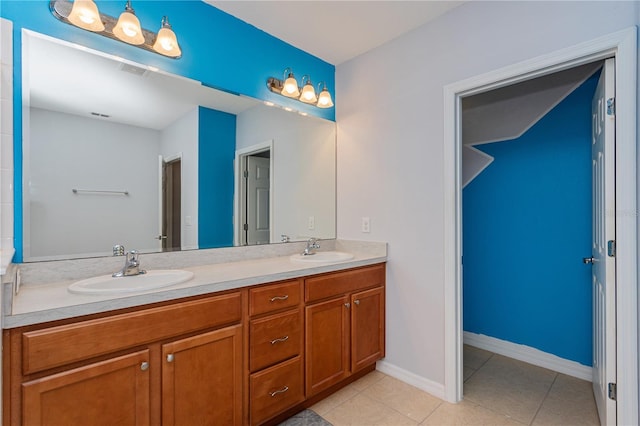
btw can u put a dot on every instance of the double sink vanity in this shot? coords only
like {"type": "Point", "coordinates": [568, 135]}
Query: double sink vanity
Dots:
{"type": "Point", "coordinates": [242, 336]}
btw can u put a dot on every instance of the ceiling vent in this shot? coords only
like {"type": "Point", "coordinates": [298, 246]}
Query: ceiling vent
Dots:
{"type": "Point", "coordinates": [132, 69]}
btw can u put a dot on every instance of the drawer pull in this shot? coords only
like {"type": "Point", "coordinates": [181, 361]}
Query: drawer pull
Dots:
{"type": "Point", "coordinates": [357, 302]}
{"type": "Point", "coordinates": [144, 366]}
{"type": "Point", "coordinates": [274, 298]}
{"type": "Point", "coordinates": [283, 390]}
{"type": "Point", "coordinates": [282, 339]}
{"type": "Point", "coordinates": [170, 358]}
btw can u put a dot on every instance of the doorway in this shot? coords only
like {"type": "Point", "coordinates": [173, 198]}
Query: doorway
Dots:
{"type": "Point", "coordinates": [533, 198]}
{"type": "Point", "coordinates": [622, 46]}
{"type": "Point", "coordinates": [254, 195]}
{"type": "Point", "coordinates": [170, 236]}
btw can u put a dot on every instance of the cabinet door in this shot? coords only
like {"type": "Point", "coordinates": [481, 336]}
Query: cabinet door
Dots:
{"type": "Point", "coordinates": [326, 344]}
{"type": "Point", "coordinates": [111, 392]}
{"type": "Point", "coordinates": [202, 379]}
{"type": "Point", "coordinates": [367, 328]}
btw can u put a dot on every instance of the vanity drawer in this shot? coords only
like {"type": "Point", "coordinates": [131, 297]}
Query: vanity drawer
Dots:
{"type": "Point", "coordinates": [274, 339]}
{"type": "Point", "coordinates": [275, 389]}
{"type": "Point", "coordinates": [57, 346]}
{"type": "Point", "coordinates": [335, 284]}
{"type": "Point", "coordinates": [274, 297]}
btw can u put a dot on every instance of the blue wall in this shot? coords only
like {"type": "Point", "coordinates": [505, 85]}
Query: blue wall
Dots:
{"type": "Point", "coordinates": [218, 49]}
{"type": "Point", "coordinates": [216, 151]}
{"type": "Point", "coordinates": [527, 226]}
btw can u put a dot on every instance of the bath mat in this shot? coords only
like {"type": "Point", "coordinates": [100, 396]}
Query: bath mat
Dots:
{"type": "Point", "coordinates": [306, 418]}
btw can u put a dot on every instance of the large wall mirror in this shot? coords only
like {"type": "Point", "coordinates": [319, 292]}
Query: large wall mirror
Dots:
{"type": "Point", "coordinates": [121, 153]}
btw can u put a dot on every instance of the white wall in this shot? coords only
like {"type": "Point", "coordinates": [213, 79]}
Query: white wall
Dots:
{"type": "Point", "coordinates": [6, 155]}
{"type": "Point", "coordinates": [390, 146]}
{"type": "Point", "coordinates": [181, 137]}
{"type": "Point", "coordinates": [121, 158]}
{"type": "Point", "coordinates": [304, 169]}
{"type": "Point", "coordinates": [6, 142]}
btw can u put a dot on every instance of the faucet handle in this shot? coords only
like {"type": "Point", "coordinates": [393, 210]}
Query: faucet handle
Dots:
{"type": "Point", "coordinates": [118, 250]}
{"type": "Point", "coordinates": [133, 255]}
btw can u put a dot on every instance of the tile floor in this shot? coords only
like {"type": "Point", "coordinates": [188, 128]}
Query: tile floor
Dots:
{"type": "Point", "coordinates": [497, 391]}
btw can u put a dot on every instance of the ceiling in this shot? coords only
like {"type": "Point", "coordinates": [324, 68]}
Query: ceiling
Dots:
{"type": "Point", "coordinates": [62, 77]}
{"type": "Point", "coordinates": [335, 30]}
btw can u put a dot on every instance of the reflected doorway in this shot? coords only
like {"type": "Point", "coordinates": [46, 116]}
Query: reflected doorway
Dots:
{"type": "Point", "coordinates": [170, 236]}
{"type": "Point", "coordinates": [256, 197]}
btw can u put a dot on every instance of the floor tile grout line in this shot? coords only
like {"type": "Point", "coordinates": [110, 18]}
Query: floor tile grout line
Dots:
{"type": "Point", "coordinates": [393, 409]}
{"type": "Point", "coordinates": [546, 395]}
{"type": "Point", "coordinates": [475, 370]}
{"type": "Point", "coordinates": [358, 392]}
{"type": "Point", "coordinates": [388, 406]}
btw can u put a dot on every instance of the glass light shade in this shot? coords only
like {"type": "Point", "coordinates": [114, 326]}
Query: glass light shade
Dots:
{"type": "Point", "coordinates": [167, 43]}
{"type": "Point", "coordinates": [290, 87]}
{"type": "Point", "coordinates": [84, 14]}
{"type": "Point", "coordinates": [324, 99]}
{"type": "Point", "coordinates": [308, 94]}
{"type": "Point", "coordinates": [128, 28]}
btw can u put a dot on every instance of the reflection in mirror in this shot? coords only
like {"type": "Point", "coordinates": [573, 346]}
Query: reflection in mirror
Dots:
{"type": "Point", "coordinates": [120, 153]}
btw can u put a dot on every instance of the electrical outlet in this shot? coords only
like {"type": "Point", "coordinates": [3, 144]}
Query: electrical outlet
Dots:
{"type": "Point", "coordinates": [312, 222]}
{"type": "Point", "coordinates": [366, 225]}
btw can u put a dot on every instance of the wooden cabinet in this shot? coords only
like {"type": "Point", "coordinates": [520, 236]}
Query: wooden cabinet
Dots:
{"type": "Point", "coordinates": [202, 379]}
{"type": "Point", "coordinates": [367, 328]}
{"type": "Point", "coordinates": [344, 325]}
{"type": "Point", "coordinates": [250, 356]}
{"type": "Point", "coordinates": [276, 362]}
{"type": "Point", "coordinates": [111, 392]}
{"type": "Point", "coordinates": [132, 368]}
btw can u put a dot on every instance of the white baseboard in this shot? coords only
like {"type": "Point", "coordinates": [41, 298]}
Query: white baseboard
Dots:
{"type": "Point", "coordinates": [528, 354]}
{"type": "Point", "coordinates": [435, 389]}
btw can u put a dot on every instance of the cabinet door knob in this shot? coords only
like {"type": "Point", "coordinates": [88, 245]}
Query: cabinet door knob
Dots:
{"type": "Point", "coordinates": [348, 305]}
{"type": "Point", "coordinates": [357, 302]}
{"type": "Point", "coordinates": [170, 358]}
{"type": "Point", "coordinates": [274, 298]}
{"type": "Point", "coordinates": [282, 339]}
{"type": "Point", "coordinates": [144, 366]}
{"type": "Point", "coordinates": [283, 390]}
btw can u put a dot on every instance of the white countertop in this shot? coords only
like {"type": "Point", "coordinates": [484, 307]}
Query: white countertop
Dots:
{"type": "Point", "coordinates": [51, 301]}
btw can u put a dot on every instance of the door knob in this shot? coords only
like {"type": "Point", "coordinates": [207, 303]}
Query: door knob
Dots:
{"type": "Point", "coordinates": [588, 260]}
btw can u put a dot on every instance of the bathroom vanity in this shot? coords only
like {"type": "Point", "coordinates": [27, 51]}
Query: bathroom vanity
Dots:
{"type": "Point", "coordinates": [236, 353]}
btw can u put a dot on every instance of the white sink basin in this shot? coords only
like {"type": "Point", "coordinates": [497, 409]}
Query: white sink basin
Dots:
{"type": "Point", "coordinates": [322, 257]}
{"type": "Point", "coordinates": [106, 284]}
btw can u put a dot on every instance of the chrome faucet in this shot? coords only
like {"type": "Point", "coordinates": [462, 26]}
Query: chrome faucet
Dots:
{"type": "Point", "coordinates": [131, 266]}
{"type": "Point", "coordinates": [312, 244]}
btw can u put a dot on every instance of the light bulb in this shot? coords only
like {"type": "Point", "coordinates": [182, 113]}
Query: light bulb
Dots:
{"type": "Point", "coordinates": [166, 41]}
{"type": "Point", "coordinates": [324, 99]}
{"type": "Point", "coordinates": [308, 94]}
{"type": "Point", "coordinates": [84, 14]}
{"type": "Point", "coordinates": [128, 27]}
{"type": "Point", "coordinates": [290, 87]}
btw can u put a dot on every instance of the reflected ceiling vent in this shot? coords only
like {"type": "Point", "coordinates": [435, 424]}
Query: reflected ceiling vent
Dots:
{"type": "Point", "coordinates": [132, 69]}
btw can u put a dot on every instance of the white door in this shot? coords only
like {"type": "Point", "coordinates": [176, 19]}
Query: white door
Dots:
{"type": "Point", "coordinates": [603, 262]}
{"type": "Point", "coordinates": [257, 200]}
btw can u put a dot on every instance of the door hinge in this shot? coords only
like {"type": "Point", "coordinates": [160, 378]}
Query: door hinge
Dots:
{"type": "Point", "coordinates": [611, 106]}
{"type": "Point", "coordinates": [245, 227]}
{"type": "Point", "coordinates": [246, 174]}
{"type": "Point", "coordinates": [611, 248]}
{"type": "Point", "coordinates": [613, 391]}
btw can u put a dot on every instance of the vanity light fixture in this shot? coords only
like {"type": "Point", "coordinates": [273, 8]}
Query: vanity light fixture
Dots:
{"type": "Point", "coordinates": [85, 14]}
{"type": "Point", "coordinates": [289, 87]}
